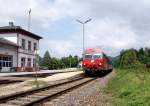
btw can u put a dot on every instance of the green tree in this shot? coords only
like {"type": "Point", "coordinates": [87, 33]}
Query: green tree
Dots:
{"type": "Point", "coordinates": [146, 57]}
{"type": "Point", "coordinates": [66, 62]}
{"type": "Point", "coordinates": [75, 61]}
{"type": "Point", "coordinates": [40, 61]}
{"type": "Point", "coordinates": [129, 59]}
{"type": "Point", "coordinates": [54, 63]}
{"type": "Point", "coordinates": [47, 60]}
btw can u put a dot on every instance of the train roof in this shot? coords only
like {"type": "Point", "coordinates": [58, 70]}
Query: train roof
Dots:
{"type": "Point", "coordinates": [89, 51]}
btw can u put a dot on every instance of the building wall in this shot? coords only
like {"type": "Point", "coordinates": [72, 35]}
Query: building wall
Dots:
{"type": "Point", "coordinates": [9, 50]}
{"type": "Point", "coordinates": [25, 52]}
{"type": "Point", "coordinates": [20, 37]}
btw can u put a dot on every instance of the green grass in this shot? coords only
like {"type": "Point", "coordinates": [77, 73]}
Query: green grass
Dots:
{"type": "Point", "coordinates": [130, 88]}
{"type": "Point", "coordinates": [39, 82]}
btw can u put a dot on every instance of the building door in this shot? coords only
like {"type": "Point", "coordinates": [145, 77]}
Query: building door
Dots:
{"type": "Point", "coordinates": [5, 63]}
{"type": "Point", "coordinates": [23, 61]}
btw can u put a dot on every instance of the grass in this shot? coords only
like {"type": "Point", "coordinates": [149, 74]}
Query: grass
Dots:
{"type": "Point", "coordinates": [130, 88]}
{"type": "Point", "coordinates": [39, 82]}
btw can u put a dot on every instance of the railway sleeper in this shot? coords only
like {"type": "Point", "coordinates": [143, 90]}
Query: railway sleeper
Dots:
{"type": "Point", "coordinates": [15, 102]}
{"type": "Point", "coordinates": [26, 99]}
{"type": "Point", "coordinates": [8, 105]}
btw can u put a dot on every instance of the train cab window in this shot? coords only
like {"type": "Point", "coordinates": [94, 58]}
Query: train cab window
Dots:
{"type": "Point", "coordinates": [88, 56]}
{"type": "Point", "coordinates": [97, 56]}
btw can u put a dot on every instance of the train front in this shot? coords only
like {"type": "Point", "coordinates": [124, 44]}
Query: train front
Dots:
{"type": "Point", "coordinates": [93, 61]}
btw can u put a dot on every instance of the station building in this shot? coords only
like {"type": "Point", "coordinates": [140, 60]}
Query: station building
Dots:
{"type": "Point", "coordinates": [17, 49]}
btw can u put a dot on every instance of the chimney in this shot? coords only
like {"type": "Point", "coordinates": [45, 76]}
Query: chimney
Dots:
{"type": "Point", "coordinates": [11, 24]}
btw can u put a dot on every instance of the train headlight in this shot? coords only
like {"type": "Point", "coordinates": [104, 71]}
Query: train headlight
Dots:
{"type": "Point", "coordinates": [92, 61]}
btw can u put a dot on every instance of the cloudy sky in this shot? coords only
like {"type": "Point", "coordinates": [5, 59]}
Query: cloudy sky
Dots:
{"type": "Point", "coordinates": [115, 24]}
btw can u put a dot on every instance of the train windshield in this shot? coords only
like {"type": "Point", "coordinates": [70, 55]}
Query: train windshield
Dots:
{"type": "Point", "coordinates": [88, 56]}
{"type": "Point", "coordinates": [97, 56]}
{"type": "Point", "coordinates": [92, 56]}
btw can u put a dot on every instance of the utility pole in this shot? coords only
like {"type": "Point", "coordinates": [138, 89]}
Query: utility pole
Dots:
{"type": "Point", "coordinates": [36, 67]}
{"type": "Point", "coordinates": [29, 19]}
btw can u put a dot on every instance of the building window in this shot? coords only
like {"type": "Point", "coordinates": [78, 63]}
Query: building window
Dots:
{"type": "Point", "coordinates": [29, 62]}
{"type": "Point", "coordinates": [35, 46]}
{"type": "Point", "coordinates": [29, 45]}
{"type": "Point", "coordinates": [23, 44]}
{"type": "Point", "coordinates": [6, 61]}
{"type": "Point", "coordinates": [23, 62]}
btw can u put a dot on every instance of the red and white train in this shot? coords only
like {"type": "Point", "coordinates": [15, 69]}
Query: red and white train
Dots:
{"type": "Point", "coordinates": [95, 61]}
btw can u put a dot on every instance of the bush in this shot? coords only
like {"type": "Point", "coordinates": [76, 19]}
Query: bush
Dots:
{"type": "Point", "coordinates": [129, 60]}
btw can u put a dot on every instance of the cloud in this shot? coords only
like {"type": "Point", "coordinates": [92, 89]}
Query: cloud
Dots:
{"type": "Point", "coordinates": [60, 48]}
{"type": "Point", "coordinates": [115, 25]}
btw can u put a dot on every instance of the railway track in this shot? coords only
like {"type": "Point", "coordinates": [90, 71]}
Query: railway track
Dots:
{"type": "Point", "coordinates": [8, 81]}
{"type": "Point", "coordinates": [36, 96]}
{"type": "Point", "coordinates": [4, 83]}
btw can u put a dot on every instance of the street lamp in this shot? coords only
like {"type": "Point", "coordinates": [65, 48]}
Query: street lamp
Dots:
{"type": "Point", "coordinates": [36, 52]}
{"type": "Point", "coordinates": [83, 25]}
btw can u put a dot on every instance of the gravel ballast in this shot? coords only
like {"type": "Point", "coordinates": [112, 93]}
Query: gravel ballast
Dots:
{"type": "Point", "coordinates": [90, 94]}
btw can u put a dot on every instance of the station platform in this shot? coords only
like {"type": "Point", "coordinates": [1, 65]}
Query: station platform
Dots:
{"type": "Point", "coordinates": [41, 72]}
{"type": "Point", "coordinates": [61, 76]}
{"type": "Point", "coordinates": [25, 85]}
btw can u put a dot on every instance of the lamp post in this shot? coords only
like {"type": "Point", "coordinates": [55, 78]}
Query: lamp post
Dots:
{"type": "Point", "coordinates": [83, 26]}
{"type": "Point", "coordinates": [36, 52]}
{"type": "Point", "coordinates": [29, 19]}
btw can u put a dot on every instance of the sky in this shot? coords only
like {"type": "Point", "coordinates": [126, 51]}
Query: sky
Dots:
{"type": "Point", "coordinates": [115, 24]}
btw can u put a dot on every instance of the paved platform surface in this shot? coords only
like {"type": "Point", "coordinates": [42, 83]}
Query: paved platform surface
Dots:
{"type": "Point", "coordinates": [23, 86]}
{"type": "Point", "coordinates": [39, 72]}
{"type": "Point", "coordinates": [61, 76]}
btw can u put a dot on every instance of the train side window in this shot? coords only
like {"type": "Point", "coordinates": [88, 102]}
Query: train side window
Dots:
{"type": "Point", "coordinates": [108, 60]}
{"type": "Point", "coordinates": [106, 57]}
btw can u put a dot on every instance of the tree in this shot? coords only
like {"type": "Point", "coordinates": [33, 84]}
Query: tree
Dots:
{"type": "Point", "coordinates": [129, 59]}
{"type": "Point", "coordinates": [54, 63]}
{"type": "Point", "coordinates": [66, 61]}
{"type": "Point", "coordinates": [144, 57]}
{"type": "Point", "coordinates": [75, 61]}
{"type": "Point", "coordinates": [40, 61]}
{"type": "Point", "coordinates": [47, 60]}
